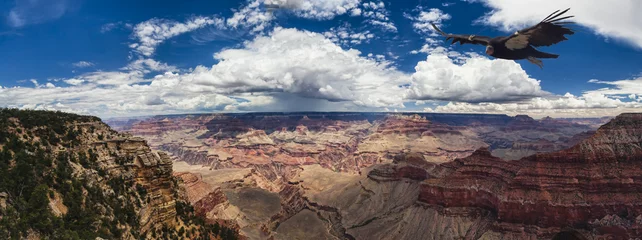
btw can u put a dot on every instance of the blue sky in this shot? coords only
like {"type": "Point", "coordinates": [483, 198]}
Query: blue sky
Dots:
{"type": "Point", "coordinates": [126, 58]}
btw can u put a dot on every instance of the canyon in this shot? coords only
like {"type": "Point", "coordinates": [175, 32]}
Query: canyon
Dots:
{"type": "Point", "coordinates": [406, 176]}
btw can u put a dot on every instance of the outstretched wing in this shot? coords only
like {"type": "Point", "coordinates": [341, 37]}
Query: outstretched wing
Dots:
{"type": "Point", "coordinates": [471, 39]}
{"type": "Point", "coordinates": [549, 31]}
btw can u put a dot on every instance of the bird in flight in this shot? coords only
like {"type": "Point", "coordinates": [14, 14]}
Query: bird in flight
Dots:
{"type": "Point", "coordinates": [521, 44]}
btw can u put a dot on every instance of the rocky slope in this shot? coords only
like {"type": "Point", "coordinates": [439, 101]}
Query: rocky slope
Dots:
{"type": "Point", "coordinates": [65, 176]}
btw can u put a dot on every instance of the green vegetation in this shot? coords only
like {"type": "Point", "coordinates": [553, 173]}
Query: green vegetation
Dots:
{"type": "Point", "coordinates": [185, 211]}
{"type": "Point", "coordinates": [37, 151]}
{"type": "Point", "coordinates": [30, 172]}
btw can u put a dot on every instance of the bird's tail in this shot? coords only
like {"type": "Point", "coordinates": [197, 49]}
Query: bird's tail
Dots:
{"type": "Point", "coordinates": [539, 54]}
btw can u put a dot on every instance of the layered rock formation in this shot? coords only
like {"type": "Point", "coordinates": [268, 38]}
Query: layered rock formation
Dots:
{"type": "Point", "coordinates": [349, 141]}
{"type": "Point", "coordinates": [594, 187]}
{"type": "Point", "coordinates": [371, 175]}
{"type": "Point", "coordinates": [151, 171]}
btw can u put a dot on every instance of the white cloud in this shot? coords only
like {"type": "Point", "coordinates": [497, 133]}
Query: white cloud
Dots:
{"type": "Point", "coordinates": [589, 105]}
{"type": "Point", "coordinates": [377, 15]}
{"type": "Point", "coordinates": [290, 69]}
{"type": "Point", "coordinates": [307, 64]}
{"type": "Point", "coordinates": [423, 19]}
{"type": "Point", "coordinates": [386, 26]}
{"type": "Point", "coordinates": [618, 19]}
{"type": "Point", "coordinates": [153, 32]}
{"type": "Point", "coordinates": [37, 85]}
{"type": "Point", "coordinates": [316, 70]}
{"type": "Point", "coordinates": [346, 36]}
{"type": "Point", "coordinates": [478, 79]}
{"type": "Point", "coordinates": [315, 9]}
{"type": "Point", "coordinates": [149, 65]}
{"type": "Point", "coordinates": [251, 16]}
{"type": "Point", "coordinates": [74, 81]}
{"type": "Point", "coordinates": [82, 64]}
{"type": "Point", "coordinates": [111, 26]}
{"type": "Point", "coordinates": [355, 12]}
{"type": "Point", "coordinates": [108, 27]}
{"type": "Point", "coordinates": [622, 87]}
{"type": "Point", "coordinates": [35, 82]}
{"type": "Point", "coordinates": [133, 73]}
{"type": "Point", "coordinates": [167, 93]}
{"type": "Point", "coordinates": [255, 18]}
{"type": "Point", "coordinates": [593, 103]}
{"type": "Point", "coordinates": [113, 78]}
{"type": "Point", "coordinates": [36, 11]}
{"type": "Point", "coordinates": [422, 25]}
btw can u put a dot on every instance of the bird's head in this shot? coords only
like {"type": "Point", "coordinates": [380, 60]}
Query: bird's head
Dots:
{"type": "Point", "coordinates": [490, 50]}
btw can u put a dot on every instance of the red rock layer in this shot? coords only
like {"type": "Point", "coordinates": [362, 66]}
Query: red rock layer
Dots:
{"type": "Point", "coordinates": [159, 126]}
{"type": "Point", "coordinates": [201, 195]}
{"type": "Point", "coordinates": [598, 178]}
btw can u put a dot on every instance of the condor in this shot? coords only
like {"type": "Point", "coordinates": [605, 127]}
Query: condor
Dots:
{"type": "Point", "coordinates": [521, 45]}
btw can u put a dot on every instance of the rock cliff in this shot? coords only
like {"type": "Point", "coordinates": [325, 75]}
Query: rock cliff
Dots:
{"type": "Point", "coordinates": [65, 176]}
{"type": "Point", "coordinates": [593, 187]}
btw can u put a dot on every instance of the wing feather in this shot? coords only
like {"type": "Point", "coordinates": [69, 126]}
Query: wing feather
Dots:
{"type": "Point", "coordinates": [462, 38]}
{"type": "Point", "coordinates": [549, 31]}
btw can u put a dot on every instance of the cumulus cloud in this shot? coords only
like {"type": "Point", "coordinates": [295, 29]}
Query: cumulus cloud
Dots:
{"type": "Point", "coordinates": [617, 19]}
{"type": "Point", "coordinates": [153, 32]}
{"type": "Point", "coordinates": [36, 11]}
{"type": "Point", "coordinates": [82, 64]}
{"type": "Point", "coordinates": [305, 63]}
{"type": "Point", "coordinates": [478, 79]}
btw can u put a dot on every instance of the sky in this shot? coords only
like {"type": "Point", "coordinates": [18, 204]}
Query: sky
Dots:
{"type": "Point", "coordinates": [118, 58]}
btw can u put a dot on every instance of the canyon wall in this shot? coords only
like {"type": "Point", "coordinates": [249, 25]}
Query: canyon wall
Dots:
{"type": "Point", "coordinates": [593, 187]}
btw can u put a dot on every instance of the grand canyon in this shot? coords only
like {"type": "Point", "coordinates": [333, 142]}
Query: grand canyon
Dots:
{"type": "Point", "coordinates": [405, 176]}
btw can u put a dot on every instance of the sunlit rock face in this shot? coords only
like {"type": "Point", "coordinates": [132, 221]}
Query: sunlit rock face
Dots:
{"type": "Point", "coordinates": [594, 186]}
{"type": "Point", "coordinates": [383, 176]}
